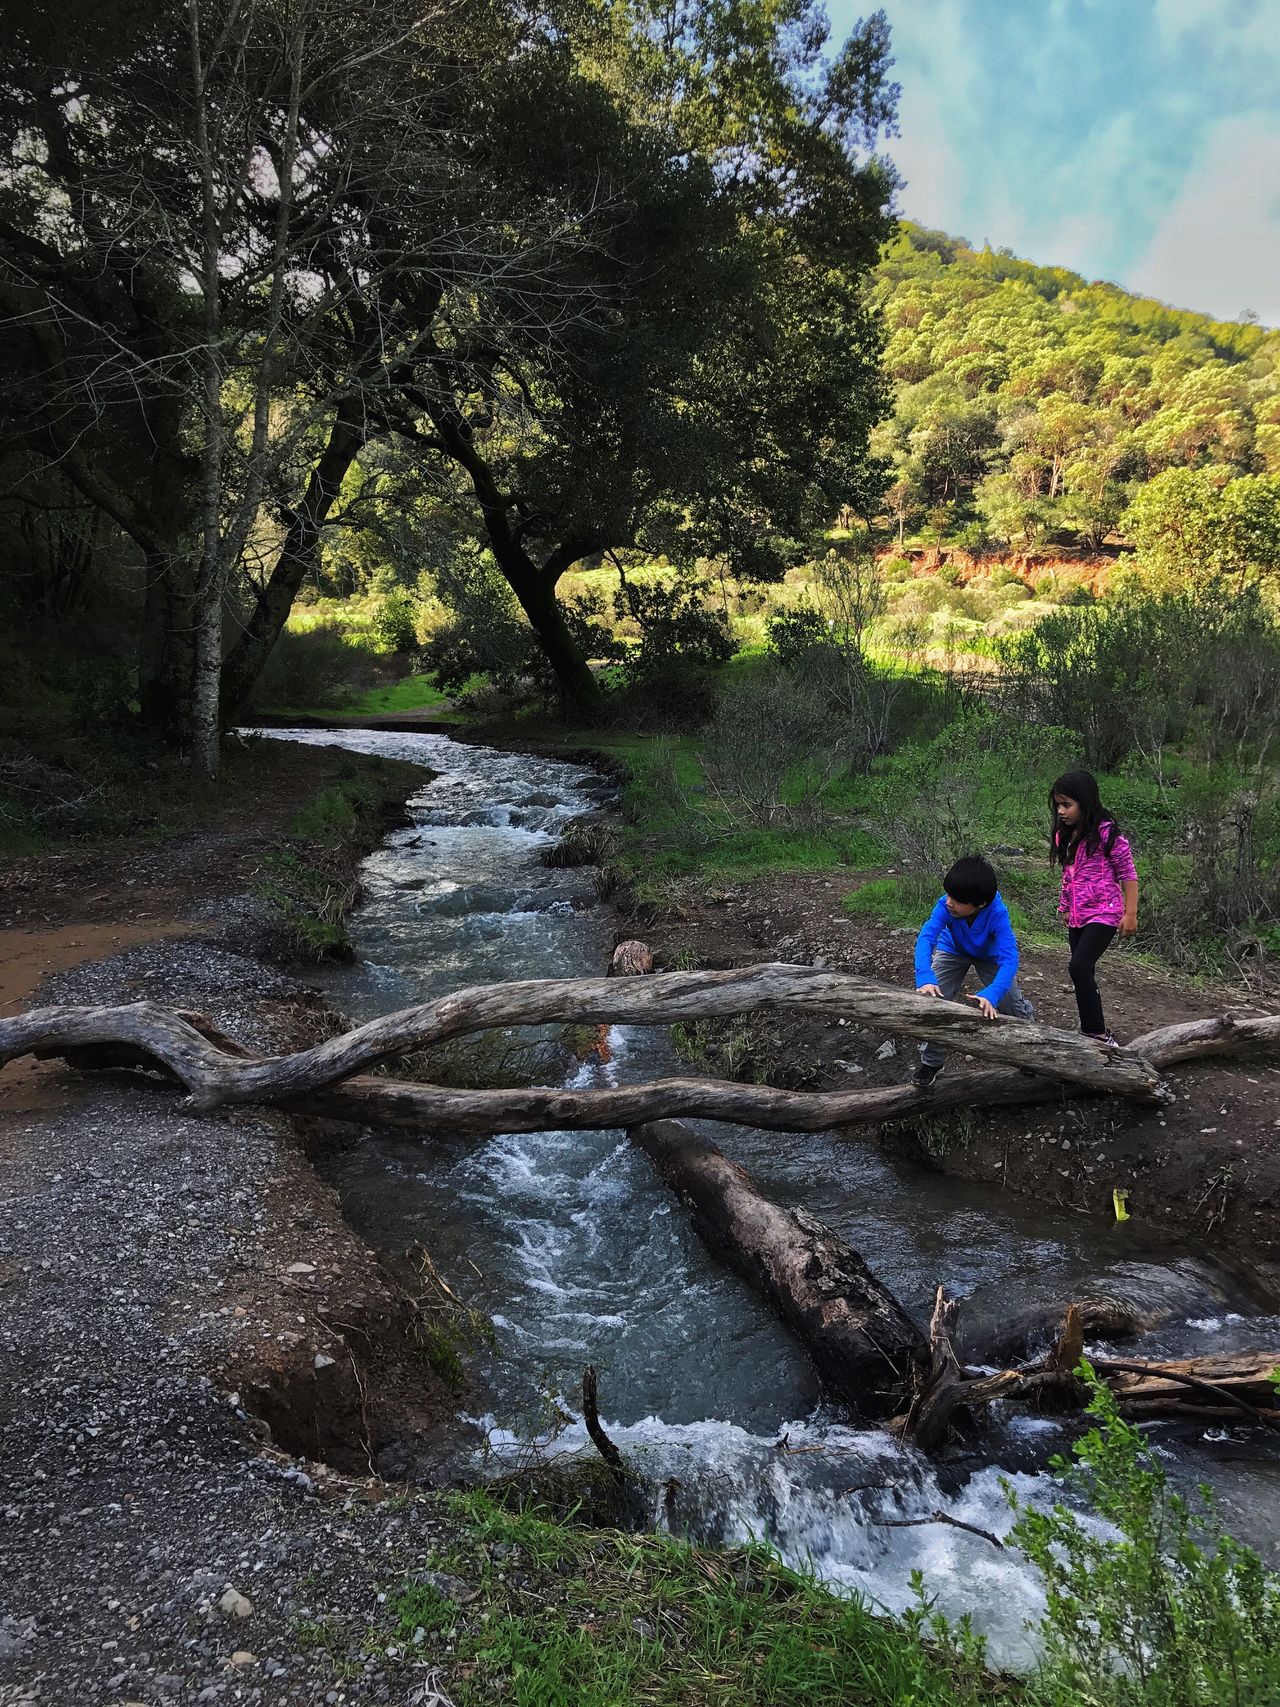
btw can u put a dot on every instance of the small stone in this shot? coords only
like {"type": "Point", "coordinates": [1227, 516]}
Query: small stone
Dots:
{"type": "Point", "coordinates": [301, 1268]}
{"type": "Point", "coordinates": [323, 1362]}
{"type": "Point", "coordinates": [887, 1050]}
{"type": "Point", "coordinates": [448, 1587]}
{"type": "Point", "coordinates": [242, 1657]}
{"type": "Point", "coordinates": [235, 1605]}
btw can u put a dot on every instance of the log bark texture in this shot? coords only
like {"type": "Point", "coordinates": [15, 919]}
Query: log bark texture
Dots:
{"type": "Point", "coordinates": [213, 1079]}
{"type": "Point", "coordinates": [186, 1046]}
{"type": "Point", "coordinates": [864, 1345]}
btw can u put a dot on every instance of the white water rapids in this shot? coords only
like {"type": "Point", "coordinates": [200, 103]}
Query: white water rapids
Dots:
{"type": "Point", "coordinates": [581, 1255]}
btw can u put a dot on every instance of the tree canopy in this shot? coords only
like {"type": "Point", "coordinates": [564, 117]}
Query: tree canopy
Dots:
{"type": "Point", "coordinates": [1032, 402]}
{"type": "Point", "coordinates": [596, 272]}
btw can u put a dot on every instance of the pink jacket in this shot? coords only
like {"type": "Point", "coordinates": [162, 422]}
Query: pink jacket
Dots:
{"type": "Point", "coordinates": [1091, 892]}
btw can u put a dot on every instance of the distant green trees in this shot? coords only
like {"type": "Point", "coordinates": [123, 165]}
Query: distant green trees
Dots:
{"type": "Point", "coordinates": [1033, 404]}
{"type": "Point", "coordinates": [596, 271]}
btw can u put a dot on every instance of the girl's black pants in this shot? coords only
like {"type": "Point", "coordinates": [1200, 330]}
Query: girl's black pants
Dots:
{"type": "Point", "coordinates": [1088, 943]}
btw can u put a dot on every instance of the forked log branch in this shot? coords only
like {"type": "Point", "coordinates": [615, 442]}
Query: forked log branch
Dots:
{"type": "Point", "coordinates": [214, 1077]}
{"type": "Point", "coordinates": [1237, 1383]}
{"type": "Point", "coordinates": [144, 1035]}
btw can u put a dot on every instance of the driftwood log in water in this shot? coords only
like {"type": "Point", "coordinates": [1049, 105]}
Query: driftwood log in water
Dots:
{"type": "Point", "coordinates": [1234, 1384]}
{"type": "Point", "coordinates": [865, 1347]}
{"type": "Point", "coordinates": [870, 1354]}
{"type": "Point", "coordinates": [214, 1076]}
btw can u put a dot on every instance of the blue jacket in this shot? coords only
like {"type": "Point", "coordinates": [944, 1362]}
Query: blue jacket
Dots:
{"type": "Point", "coordinates": [988, 935]}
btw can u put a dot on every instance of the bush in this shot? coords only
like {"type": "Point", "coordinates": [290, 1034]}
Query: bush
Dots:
{"type": "Point", "coordinates": [320, 668]}
{"type": "Point", "coordinates": [1145, 669]}
{"type": "Point", "coordinates": [103, 693]}
{"type": "Point", "coordinates": [667, 679]}
{"type": "Point", "coordinates": [1165, 1611]}
{"type": "Point", "coordinates": [980, 783]}
{"type": "Point", "coordinates": [772, 747]}
{"type": "Point", "coordinates": [395, 624]}
{"type": "Point", "coordinates": [793, 636]}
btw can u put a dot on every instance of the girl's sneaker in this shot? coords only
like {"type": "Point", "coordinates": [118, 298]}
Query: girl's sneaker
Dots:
{"type": "Point", "coordinates": [1103, 1037]}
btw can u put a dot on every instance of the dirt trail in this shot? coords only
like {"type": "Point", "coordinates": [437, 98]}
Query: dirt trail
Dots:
{"type": "Point", "coordinates": [176, 1290]}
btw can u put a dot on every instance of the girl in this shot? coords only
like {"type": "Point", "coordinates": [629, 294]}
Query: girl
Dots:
{"type": "Point", "coordinates": [1099, 887]}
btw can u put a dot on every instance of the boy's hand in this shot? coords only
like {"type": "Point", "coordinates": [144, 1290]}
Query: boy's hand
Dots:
{"type": "Point", "coordinates": [1129, 925]}
{"type": "Point", "coordinates": [928, 990]}
{"type": "Point", "coordinates": [988, 1012]}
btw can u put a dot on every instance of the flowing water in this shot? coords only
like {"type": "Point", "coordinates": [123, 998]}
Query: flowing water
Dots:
{"type": "Point", "coordinates": [581, 1255]}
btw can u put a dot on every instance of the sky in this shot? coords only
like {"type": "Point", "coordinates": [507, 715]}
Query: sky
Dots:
{"type": "Point", "coordinates": [1131, 140]}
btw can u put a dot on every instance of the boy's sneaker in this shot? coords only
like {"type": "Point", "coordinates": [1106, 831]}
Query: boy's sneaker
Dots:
{"type": "Point", "coordinates": [1103, 1037]}
{"type": "Point", "coordinates": [924, 1075]}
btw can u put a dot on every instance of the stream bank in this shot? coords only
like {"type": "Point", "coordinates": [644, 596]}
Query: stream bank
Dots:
{"type": "Point", "coordinates": [191, 1334]}
{"type": "Point", "coordinates": [1203, 1172]}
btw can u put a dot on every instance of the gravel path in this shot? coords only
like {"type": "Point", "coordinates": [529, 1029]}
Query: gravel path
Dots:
{"type": "Point", "coordinates": [153, 1547]}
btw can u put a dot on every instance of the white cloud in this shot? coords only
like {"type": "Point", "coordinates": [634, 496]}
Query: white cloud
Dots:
{"type": "Point", "coordinates": [1177, 18]}
{"type": "Point", "coordinates": [1217, 247]}
{"type": "Point", "coordinates": [930, 166]}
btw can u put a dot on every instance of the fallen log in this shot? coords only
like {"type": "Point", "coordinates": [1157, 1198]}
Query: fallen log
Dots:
{"type": "Point", "coordinates": [160, 1039]}
{"type": "Point", "coordinates": [864, 1345]}
{"type": "Point", "coordinates": [213, 1077]}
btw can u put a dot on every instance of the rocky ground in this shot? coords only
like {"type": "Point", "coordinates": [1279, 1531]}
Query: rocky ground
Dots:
{"type": "Point", "coordinates": [186, 1325]}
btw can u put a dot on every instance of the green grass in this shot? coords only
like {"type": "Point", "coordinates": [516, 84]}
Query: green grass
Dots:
{"type": "Point", "coordinates": [672, 827]}
{"type": "Point", "coordinates": [410, 693]}
{"type": "Point", "coordinates": [602, 1618]}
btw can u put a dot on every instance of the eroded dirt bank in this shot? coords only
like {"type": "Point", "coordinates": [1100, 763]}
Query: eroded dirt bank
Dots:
{"type": "Point", "coordinates": [1207, 1168]}
{"type": "Point", "coordinates": [182, 1309]}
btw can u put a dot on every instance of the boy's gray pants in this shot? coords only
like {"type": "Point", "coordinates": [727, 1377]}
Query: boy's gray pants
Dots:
{"type": "Point", "coordinates": [949, 974]}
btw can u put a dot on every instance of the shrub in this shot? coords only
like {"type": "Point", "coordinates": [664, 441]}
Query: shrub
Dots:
{"type": "Point", "coordinates": [771, 747]}
{"type": "Point", "coordinates": [793, 636]}
{"type": "Point", "coordinates": [1164, 1609]}
{"type": "Point", "coordinates": [981, 782]}
{"type": "Point", "coordinates": [395, 624]}
{"type": "Point", "coordinates": [1144, 669]}
{"type": "Point", "coordinates": [666, 677]}
{"type": "Point", "coordinates": [320, 668]}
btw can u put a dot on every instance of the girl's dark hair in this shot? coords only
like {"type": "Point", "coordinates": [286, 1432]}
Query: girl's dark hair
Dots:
{"type": "Point", "coordinates": [1082, 787]}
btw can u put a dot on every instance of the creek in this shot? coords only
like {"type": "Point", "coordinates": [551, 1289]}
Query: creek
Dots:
{"type": "Point", "coordinates": [579, 1254]}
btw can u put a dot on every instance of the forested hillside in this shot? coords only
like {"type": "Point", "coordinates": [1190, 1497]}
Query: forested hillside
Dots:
{"type": "Point", "coordinates": [1032, 404]}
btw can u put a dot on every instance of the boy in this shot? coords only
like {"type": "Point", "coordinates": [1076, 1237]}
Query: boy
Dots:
{"type": "Point", "coordinates": [969, 927]}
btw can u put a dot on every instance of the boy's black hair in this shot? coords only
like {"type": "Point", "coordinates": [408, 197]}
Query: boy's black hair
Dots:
{"type": "Point", "coordinates": [971, 881]}
{"type": "Point", "coordinates": [1082, 787]}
